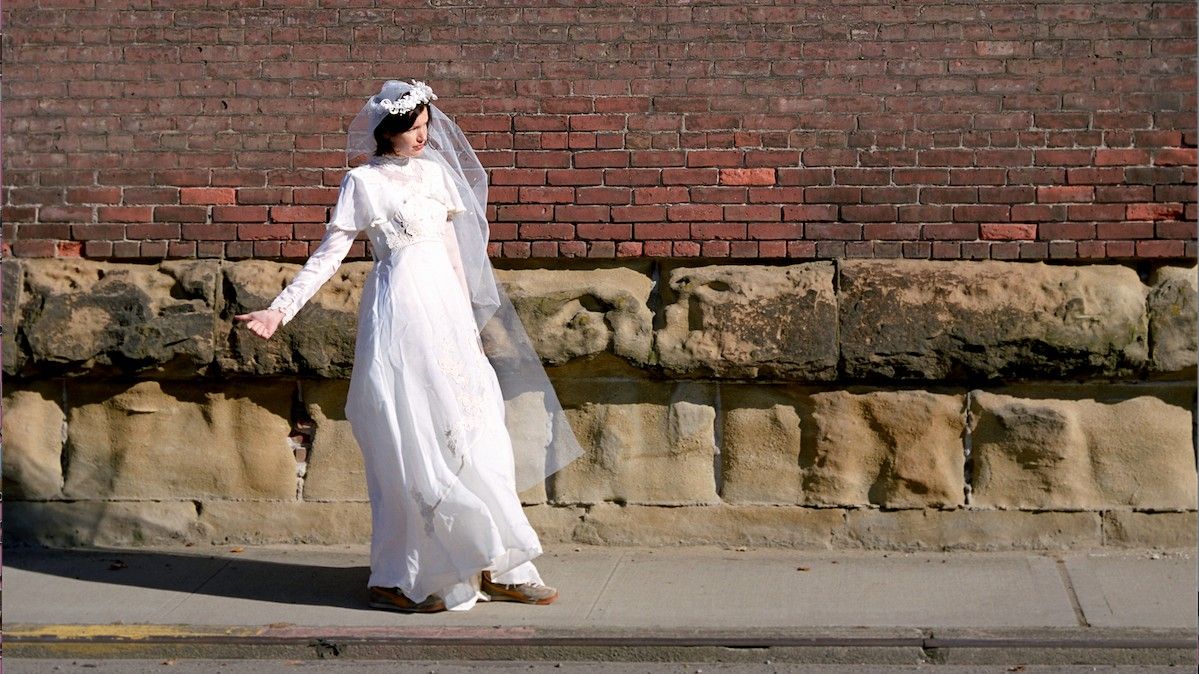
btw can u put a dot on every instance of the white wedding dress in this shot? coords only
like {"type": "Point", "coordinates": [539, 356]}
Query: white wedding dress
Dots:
{"type": "Point", "coordinates": [424, 402]}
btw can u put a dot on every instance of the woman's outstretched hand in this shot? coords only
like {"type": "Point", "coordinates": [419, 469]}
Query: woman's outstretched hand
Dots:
{"type": "Point", "coordinates": [263, 322]}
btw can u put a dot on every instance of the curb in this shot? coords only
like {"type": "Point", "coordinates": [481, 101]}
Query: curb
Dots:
{"type": "Point", "coordinates": [831, 646]}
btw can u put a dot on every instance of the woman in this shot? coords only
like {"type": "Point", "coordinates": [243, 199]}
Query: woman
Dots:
{"type": "Point", "coordinates": [426, 406]}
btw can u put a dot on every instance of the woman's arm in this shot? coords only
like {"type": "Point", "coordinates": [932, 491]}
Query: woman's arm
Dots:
{"type": "Point", "coordinates": [316, 271]}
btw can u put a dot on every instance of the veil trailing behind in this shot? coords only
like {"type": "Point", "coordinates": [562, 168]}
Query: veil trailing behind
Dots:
{"type": "Point", "coordinates": [542, 439]}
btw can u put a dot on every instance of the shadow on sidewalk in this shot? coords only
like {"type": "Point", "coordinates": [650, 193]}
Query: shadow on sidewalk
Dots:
{"type": "Point", "coordinates": [224, 574]}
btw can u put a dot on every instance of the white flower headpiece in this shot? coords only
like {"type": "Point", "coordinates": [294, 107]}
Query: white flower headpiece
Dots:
{"type": "Point", "coordinates": [419, 93]}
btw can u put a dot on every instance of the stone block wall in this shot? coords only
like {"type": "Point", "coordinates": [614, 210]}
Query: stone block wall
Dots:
{"type": "Point", "coordinates": [868, 404]}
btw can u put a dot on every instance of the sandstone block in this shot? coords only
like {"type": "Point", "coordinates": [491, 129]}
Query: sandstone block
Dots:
{"type": "Point", "coordinates": [78, 315]}
{"type": "Point", "coordinates": [12, 276]}
{"type": "Point", "coordinates": [969, 530]}
{"type": "Point", "coordinates": [917, 319]}
{"type": "Point", "coordinates": [259, 522]}
{"type": "Point", "coordinates": [107, 523]}
{"type": "Point", "coordinates": [643, 443]}
{"type": "Point", "coordinates": [1082, 454]}
{"type": "Point", "coordinates": [751, 321]}
{"type": "Point", "coordinates": [319, 341]}
{"type": "Point", "coordinates": [897, 449]}
{"type": "Point", "coordinates": [778, 526]}
{"type": "Point", "coordinates": [1172, 324]}
{"type": "Point", "coordinates": [554, 524]}
{"type": "Point", "coordinates": [335, 466]}
{"type": "Point", "coordinates": [33, 439]}
{"type": "Point", "coordinates": [1131, 529]}
{"type": "Point", "coordinates": [762, 432]}
{"type": "Point", "coordinates": [158, 439]}
{"type": "Point", "coordinates": [578, 314]}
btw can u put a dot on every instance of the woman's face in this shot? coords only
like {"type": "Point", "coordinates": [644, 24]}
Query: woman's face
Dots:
{"type": "Point", "coordinates": [410, 143]}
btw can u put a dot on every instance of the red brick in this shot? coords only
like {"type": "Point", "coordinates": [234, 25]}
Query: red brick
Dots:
{"type": "Point", "coordinates": [838, 231]}
{"type": "Point", "coordinates": [603, 195]}
{"type": "Point", "coordinates": [1049, 231]}
{"type": "Point", "coordinates": [525, 213]}
{"type": "Point", "coordinates": [748, 176]}
{"type": "Point", "coordinates": [890, 230]}
{"type": "Point", "coordinates": [125, 213]}
{"type": "Point", "coordinates": [1065, 193]}
{"type": "Point", "coordinates": [1172, 229]}
{"type": "Point", "coordinates": [546, 195]}
{"type": "Point", "coordinates": [587, 230]}
{"type": "Point", "coordinates": [1095, 212]}
{"type": "Point", "coordinates": [949, 231]}
{"type": "Point", "coordinates": [1174, 156]}
{"type": "Point", "coordinates": [1124, 230]}
{"type": "Point", "coordinates": [1155, 211]}
{"type": "Point", "coordinates": [208, 195]}
{"type": "Point", "coordinates": [776, 230]}
{"type": "Point", "coordinates": [752, 213]}
{"type": "Point", "coordinates": [514, 176]}
{"type": "Point", "coordinates": [239, 213]}
{"type": "Point", "coordinates": [66, 214]}
{"type": "Point", "coordinates": [1160, 248]}
{"type": "Point", "coordinates": [1007, 231]}
{"type": "Point", "coordinates": [1121, 157]}
{"type": "Point", "coordinates": [547, 230]}
{"type": "Point", "coordinates": [694, 212]}
{"type": "Point", "coordinates": [298, 213]}
{"type": "Point", "coordinates": [638, 213]}
{"type": "Point", "coordinates": [263, 231]}
{"type": "Point", "coordinates": [718, 230]}
{"type": "Point", "coordinates": [629, 249]}
{"type": "Point", "coordinates": [661, 230]}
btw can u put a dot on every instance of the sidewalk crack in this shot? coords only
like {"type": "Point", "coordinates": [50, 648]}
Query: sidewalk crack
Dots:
{"type": "Point", "coordinates": [1074, 603]}
{"type": "Point", "coordinates": [607, 582]}
{"type": "Point", "coordinates": [195, 590]}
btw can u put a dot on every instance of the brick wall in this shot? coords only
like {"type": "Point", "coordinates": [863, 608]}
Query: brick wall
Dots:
{"type": "Point", "coordinates": [1021, 130]}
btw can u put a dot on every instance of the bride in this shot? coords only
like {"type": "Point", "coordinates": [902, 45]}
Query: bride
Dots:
{"type": "Point", "coordinates": [426, 405]}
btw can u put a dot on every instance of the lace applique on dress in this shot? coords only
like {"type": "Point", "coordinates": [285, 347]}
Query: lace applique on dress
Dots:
{"type": "Point", "coordinates": [468, 390]}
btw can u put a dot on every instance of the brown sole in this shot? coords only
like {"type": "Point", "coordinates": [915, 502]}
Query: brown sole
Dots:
{"type": "Point", "coordinates": [401, 609]}
{"type": "Point", "coordinates": [517, 600]}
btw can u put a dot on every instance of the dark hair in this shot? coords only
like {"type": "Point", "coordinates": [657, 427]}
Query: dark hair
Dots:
{"type": "Point", "coordinates": [393, 124]}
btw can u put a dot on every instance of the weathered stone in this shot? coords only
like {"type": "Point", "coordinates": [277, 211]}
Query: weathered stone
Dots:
{"type": "Point", "coordinates": [335, 467]}
{"type": "Point", "coordinates": [78, 315]}
{"type": "Point", "coordinates": [760, 450]}
{"type": "Point", "coordinates": [751, 321]}
{"type": "Point", "coordinates": [779, 526]}
{"type": "Point", "coordinates": [1081, 454]}
{"type": "Point", "coordinates": [12, 276]}
{"type": "Point", "coordinates": [1172, 324]}
{"type": "Point", "coordinates": [969, 530]}
{"type": "Point", "coordinates": [554, 524]}
{"type": "Point", "coordinates": [897, 449]}
{"type": "Point", "coordinates": [572, 314]}
{"type": "Point", "coordinates": [109, 523]}
{"type": "Point", "coordinates": [643, 443]}
{"type": "Point", "coordinates": [1131, 529]}
{"type": "Point", "coordinates": [319, 341]}
{"type": "Point", "coordinates": [258, 522]}
{"type": "Point", "coordinates": [178, 440]}
{"type": "Point", "coordinates": [33, 438]}
{"type": "Point", "coordinates": [933, 320]}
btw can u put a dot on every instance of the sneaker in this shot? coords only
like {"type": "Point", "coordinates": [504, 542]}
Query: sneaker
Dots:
{"type": "Point", "coordinates": [525, 593]}
{"type": "Point", "coordinates": [391, 599]}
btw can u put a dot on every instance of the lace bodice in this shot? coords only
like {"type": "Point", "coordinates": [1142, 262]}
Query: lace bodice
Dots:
{"type": "Point", "coordinates": [398, 202]}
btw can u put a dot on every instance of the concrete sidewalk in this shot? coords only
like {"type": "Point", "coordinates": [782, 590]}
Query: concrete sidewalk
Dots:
{"type": "Point", "coordinates": [616, 603]}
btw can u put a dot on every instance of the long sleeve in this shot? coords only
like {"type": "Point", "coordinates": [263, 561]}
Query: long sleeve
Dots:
{"type": "Point", "coordinates": [317, 270]}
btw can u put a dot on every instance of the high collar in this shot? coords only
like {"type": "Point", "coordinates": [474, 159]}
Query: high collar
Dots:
{"type": "Point", "coordinates": [391, 160]}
